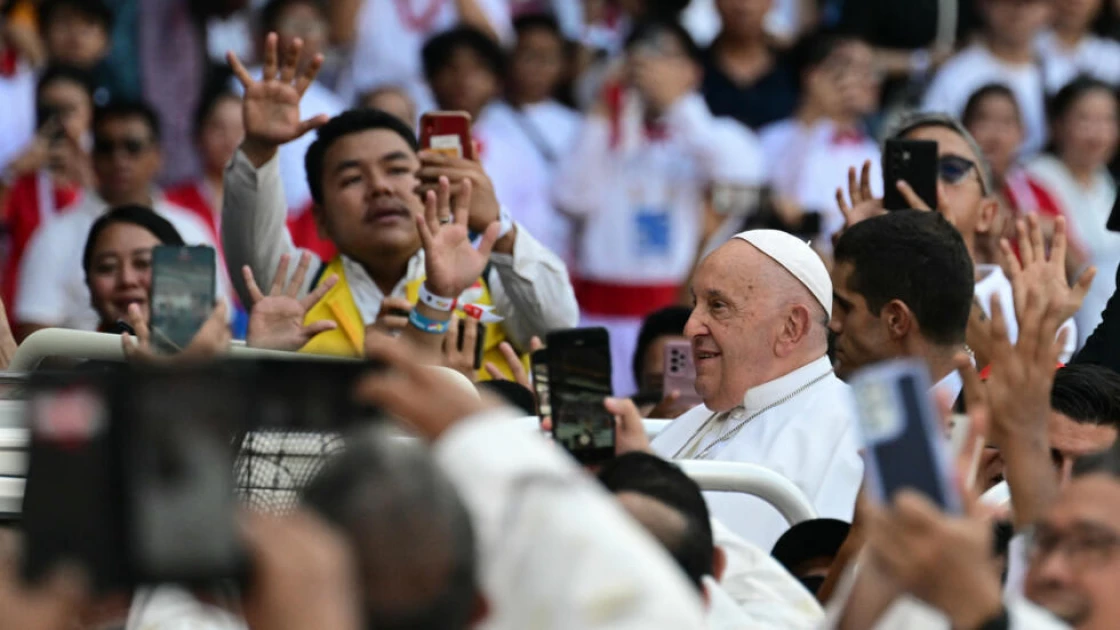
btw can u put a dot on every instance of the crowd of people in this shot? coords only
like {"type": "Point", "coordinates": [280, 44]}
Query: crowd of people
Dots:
{"type": "Point", "coordinates": [700, 171]}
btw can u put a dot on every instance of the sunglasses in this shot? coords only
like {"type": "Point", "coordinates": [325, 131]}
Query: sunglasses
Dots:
{"type": "Point", "coordinates": [131, 147]}
{"type": "Point", "coordinates": [952, 169]}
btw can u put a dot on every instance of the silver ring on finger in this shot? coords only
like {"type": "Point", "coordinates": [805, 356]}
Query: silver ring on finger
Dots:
{"type": "Point", "coordinates": [445, 220]}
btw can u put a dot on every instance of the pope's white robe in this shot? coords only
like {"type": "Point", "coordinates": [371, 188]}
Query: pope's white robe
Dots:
{"type": "Point", "coordinates": [810, 439]}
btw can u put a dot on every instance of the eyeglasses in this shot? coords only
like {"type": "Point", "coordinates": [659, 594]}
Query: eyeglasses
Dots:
{"type": "Point", "coordinates": [132, 147]}
{"type": "Point", "coordinates": [1083, 548]}
{"type": "Point", "coordinates": [952, 169]}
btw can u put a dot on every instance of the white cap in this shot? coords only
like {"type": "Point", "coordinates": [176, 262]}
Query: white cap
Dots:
{"type": "Point", "coordinates": [798, 258]}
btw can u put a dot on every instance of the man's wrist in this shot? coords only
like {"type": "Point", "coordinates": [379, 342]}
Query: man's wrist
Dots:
{"type": "Point", "coordinates": [990, 615]}
{"type": "Point", "coordinates": [259, 153]}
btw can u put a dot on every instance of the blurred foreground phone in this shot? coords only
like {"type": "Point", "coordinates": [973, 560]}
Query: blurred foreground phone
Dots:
{"type": "Point", "coordinates": [680, 373]}
{"type": "Point", "coordinates": [579, 378]}
{"type": "Point", "coordinates": [539, 360]}
{"type": "Point", "coordinates": [448, 133]}
{"type": "Point", "coordinates": [479, 342]}
{"type": "Point", "coordinates": [1113, 223]}
{"type": "Point", "coordinates": [183, 294]}
{"type": "Point", "coordinates": [914, 162]}
{"type": "Point", "coordinates": [906, 447]}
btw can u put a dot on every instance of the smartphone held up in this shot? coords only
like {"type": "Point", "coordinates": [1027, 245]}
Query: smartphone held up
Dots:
{"type": "Point", "coordinates": [447, 133]}
{"type": "Point", "coordinates": [578, 381]}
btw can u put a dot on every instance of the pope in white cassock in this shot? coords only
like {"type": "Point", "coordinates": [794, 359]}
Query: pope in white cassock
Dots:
{"type": "Point", "coordinates": [759, 334]}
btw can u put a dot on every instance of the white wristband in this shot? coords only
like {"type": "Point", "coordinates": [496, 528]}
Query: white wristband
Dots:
{"type": "Point", "coordinates": [434, 301]}
{"type": "Point", "coordinates": [505, 222]}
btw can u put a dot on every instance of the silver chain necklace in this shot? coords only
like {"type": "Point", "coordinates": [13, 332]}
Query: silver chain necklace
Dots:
{"type": "Point", "coordinates": [735, 431]}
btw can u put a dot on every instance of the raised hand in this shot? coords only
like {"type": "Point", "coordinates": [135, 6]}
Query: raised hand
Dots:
{"type": "Point", "coordinates": [271, 106]}
{"type": "Point", "coordinates": [451, 262]}
{"type": "Point", "coordinates": [484, 208]}
{"type": "Point", "coordinates": [513, 362]}
{"type": "Point", "coordinates": [276, 320]}
{"type": "Point", "coordinates": [211, 340]}
{"type": "Point", "coordinates": [1044, 273]}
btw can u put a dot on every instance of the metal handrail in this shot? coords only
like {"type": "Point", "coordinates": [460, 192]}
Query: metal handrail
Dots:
{"type": "Point", "coordinates": [754, 480]}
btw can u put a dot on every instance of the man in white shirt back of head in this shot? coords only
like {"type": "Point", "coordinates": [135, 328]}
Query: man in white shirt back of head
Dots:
{"type": "Point", "coordinates": [902, 286]}
{"type": "Point", "coordinates": [759, 333]}
{"type": "Point", "coordinates": [409, 530]}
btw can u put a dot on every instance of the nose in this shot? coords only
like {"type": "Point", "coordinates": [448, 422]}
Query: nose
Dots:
{"type": "Point", "coordinates": [695, 326]}
{"type": "Point", "coordinates": [129, 276]}
{"type": "Point", "coordinates": [1053, 568]}
{"type": "Point", "coordinates": [378, 183]}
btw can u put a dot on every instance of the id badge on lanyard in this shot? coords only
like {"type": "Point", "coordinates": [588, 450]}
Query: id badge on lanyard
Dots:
{"type": "Point", "coordinates": [651, 208]}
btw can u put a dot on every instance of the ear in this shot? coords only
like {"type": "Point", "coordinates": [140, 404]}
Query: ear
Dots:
{"type": "Point", "coordinates": [794, 330]}
{"type": "Point", "coordinates": [898, 319]}
{"type": "Point", "coordinates": [989, 211]}
{"type": "Point", "coordinates": [719, 563]}
{"type": "Point", "coordinates": [480, 611]}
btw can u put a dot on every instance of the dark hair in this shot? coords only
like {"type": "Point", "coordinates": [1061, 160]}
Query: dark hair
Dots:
{"type": "Point", "coordinates": [815, 48]}
{"type": "Point", "coordinates": [386, 496]}
{"type": "Point", "coordinates": [439, 50]}
{"type": "Point", "coordinates": [349, 122]}
{"type": "Point", "coordinates": [1087, 393]}
{"type": "Point", "coordinates": [140, 216]}
{"type": "Point", "coordinates": [919, 258]}
{"type": "Point", "coordinates": [538, 21]}
{"type": "Point", "coordinates": [95, 10]}
{"type": "Point", "coordinates": [654, 27]}
{"type": "Point", "coordinates": [72, 74]}
{"type": "Point", "coordinates": [516, 394]}
{"type": "Point", "coordinates": [972, 108]}
{"type": "Point", "coordinates": [216, 90]}
{"type": "Point", "coordinates": [271, 12]}
{"type": "Point", "coordinates": [1104, 463]}
{"type": "Point", "coordinates": [1059, 105]}
{"type": "Point", "coordinates": [655, 478]}
{"type": "Point", "coordinates": [128, 109]}
{"type": "Point", "coordinates": [669, 321]}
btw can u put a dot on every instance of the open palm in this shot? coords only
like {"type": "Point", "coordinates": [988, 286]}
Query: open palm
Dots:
{"type": "Point", "coordinates": [1044, 272]}
{"type": "Point", "coordinates": [271, 105]}
{"type": "Point", "coordinates": [276, 319]}
{"type": "Point", "coordinates": [452, 263]}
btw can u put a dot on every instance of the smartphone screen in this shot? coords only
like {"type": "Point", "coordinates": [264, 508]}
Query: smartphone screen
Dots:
{"type": "Point", "coordinates": [579, 378]}
{"type": "Point", "coordinates": [448, 133]}
{"type": "Point", "coordinates": [540, 382]}
{"type": "Point", "coordinates": [71, 503]}
{"type": "Point", "coordinates": [182, 294]}
{"type": "Point", "coordinates": [906, 447]}
{"type": "Point", "coordinates": [680, 373]}
{"type": "Point", "coordinates": [479, 342]}
{"type": "Point", "coordinates": [914, 162]}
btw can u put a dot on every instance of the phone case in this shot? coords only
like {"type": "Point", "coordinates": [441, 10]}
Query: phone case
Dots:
{"type": "Point", "coordinates": [579, 375]}
{"type": "Point", "coordinates": [680, 373]}
{"type": "Point", "coordinates": [448, 133]}
{"type": "Point", "coordinates": [912, 161]}
{"type": "Point", "coordinates": [183, 294]}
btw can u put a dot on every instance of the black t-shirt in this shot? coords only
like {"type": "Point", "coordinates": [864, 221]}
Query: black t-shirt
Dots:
{"type": "Point", "coordinates": [770, 98]}
{"type": "Point", "coordinates": [907, 24]}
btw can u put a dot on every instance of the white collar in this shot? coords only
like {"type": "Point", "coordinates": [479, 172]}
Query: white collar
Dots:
{"type": "Point", "coordinates": [367, 295]}
{"type": "Point", "coordinates": [761, 396]}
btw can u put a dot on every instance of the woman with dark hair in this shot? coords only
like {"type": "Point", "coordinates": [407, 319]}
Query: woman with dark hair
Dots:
{"type": "Point", "coordinates": [993, 118]}
{"type": "Point", "coordinates": [1071, 48]}
{"type": "Point", "coordinates": [117, 261]}
{"type": "Point", "coordinates": [1083, 132]}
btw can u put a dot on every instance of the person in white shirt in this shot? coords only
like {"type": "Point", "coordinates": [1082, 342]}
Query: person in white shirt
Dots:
{"type": "Point", "coordinates": [1004, 54]}
{"type": "Point", "coordinates": [810, 152]}
{"type": "Point", "coordinates": [759, 335]}
{"type": "Point", "coordinates": [902, 286]}
{"type": "Point", "coordinates": [671, 507]}
{"type": "Point", "coordinates": [1071, 48]}
{"type": "Point", "coordinates": [638, 179]}
{"type": "Point", "coordinates": [126, 158]}
{"type": "Point", "coordinates": [291, 19]}
{"type": "Point", "coordinates": [386, 37]}
{"type": "Point", "coordinates": [555, 550]}
{"type": "Point", "coordinates": [1075, 171]}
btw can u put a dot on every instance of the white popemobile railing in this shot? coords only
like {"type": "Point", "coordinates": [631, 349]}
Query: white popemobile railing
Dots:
{"type": "Point", "coordinates": [750, 479]}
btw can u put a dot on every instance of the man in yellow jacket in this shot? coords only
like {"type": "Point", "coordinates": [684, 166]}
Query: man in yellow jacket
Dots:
{"type": "Point", "coordinates": [370, 184]}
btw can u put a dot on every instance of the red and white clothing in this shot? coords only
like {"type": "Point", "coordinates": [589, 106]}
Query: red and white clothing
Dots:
{"type": "Point", "coordinates": [640, 193]}
{"type": "Point", "coordinates": [52, 287]}
{"type": "Point", "coordinates": [520, 149]}
{"type": "Point", "coordinates": [1025, 195]}
{"type": "Point", "coordinates": [17, 93]}
{"type": "Point", "coordinates": [391, 34]}
{"type": "Point", "coordinates": [809, 162]}
{"type": "Point", "coordinates": [33, 200]}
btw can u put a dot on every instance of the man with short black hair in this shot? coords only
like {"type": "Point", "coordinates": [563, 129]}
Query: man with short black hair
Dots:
{"type": "Point", "coordinates": [902, 287]}
{"type": "Point", "coordinates": [1084, 414]}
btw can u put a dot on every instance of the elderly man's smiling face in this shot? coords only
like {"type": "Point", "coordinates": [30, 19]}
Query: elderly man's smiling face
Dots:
{"type": "Point", "coordinates": [742, 304]}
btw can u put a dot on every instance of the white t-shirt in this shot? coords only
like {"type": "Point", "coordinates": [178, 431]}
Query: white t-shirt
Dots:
{"type": "Point", "coordinates": [1095, 56]}
{"type": "Point", "coordinates": [52, 284]}
{"type": "Point", "coordinates": [17, 126]}
{"type": "Point", "coordinates": [975, 67]}
{"type": "Point", "coordinates": [387, 48]}
{"type": "Point", "coordinates": [519, 152]}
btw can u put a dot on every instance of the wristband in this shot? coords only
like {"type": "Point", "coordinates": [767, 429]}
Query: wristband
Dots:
{"type": "Point", "coordinates": [431, 326]}
{"type": "Point", "coordinates": [436, 302]}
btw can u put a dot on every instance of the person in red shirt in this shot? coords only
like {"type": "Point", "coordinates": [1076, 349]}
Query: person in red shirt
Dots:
{"type": "Point", "coordinates": [64, 99]}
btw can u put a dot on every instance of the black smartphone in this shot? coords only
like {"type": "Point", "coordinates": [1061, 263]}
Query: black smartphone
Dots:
{"type": "Point", "coordinates": [72, 501]}
{"type": "Point", "coordinates": [183, 293]}
{"type": "Point", "coordinates": [479, 341]}
{"type": "Point", "coordinates": [539, 363]}
{"type": "Point", "coordinates": [906, 447]}
{"type": "Point", "coordinates": [1113, 224]}
{"type": "Point", "coordinates": [579, 379]}
{"type": "Point", "coordinates": [914, 162]}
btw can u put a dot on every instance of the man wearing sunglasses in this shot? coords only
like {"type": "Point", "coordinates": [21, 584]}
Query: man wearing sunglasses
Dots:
{"type": "Point", "coordinates": [126, 160]}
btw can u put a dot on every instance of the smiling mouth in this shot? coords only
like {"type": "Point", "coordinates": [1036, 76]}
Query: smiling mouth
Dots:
{"type": "Point", "coordinates": [704, 355]}
{"type": "Point", "coordinates": [386, 215]}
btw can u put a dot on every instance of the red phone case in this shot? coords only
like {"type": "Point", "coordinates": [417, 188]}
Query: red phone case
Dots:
{"type": "Point", "coordinates": [448, 133]}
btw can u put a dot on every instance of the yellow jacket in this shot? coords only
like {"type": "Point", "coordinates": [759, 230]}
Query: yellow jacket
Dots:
{"type": "Point", "coordinates": [348, 340]}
